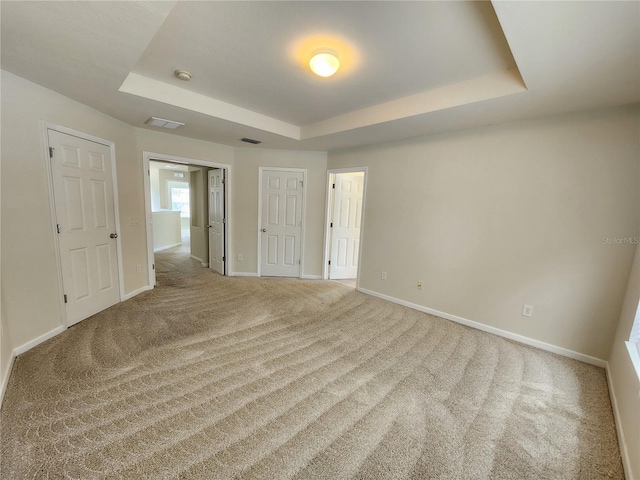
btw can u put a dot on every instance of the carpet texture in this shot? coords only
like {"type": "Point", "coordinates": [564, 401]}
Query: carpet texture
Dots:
{"type": "Point", "coordinates": [209, 377]}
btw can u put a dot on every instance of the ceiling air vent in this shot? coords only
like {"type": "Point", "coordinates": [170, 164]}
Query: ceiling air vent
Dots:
{"type": "Point", "coordinates": [251, 140]}
{"type": "Point", "coordinates": [163, 122]}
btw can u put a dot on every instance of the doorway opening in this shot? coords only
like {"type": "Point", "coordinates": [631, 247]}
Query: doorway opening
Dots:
{"type": "Point", "coordinates": [346, 190]}
{"type": "Point", "coordinates": [187, 212]}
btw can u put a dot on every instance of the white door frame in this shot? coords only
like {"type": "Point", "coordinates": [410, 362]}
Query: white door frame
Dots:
{"type": "Point", "coordinates": [148, 156]}
{"type": "Point", "coordinates": [304, 212]}
{"type": "Point", "coordinates": [46, 126]}
{"type": "Point", "coordinates": [327, 217]}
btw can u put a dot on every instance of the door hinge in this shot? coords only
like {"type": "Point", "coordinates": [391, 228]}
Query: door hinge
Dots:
{"type": "Point", "coordinates": [329, 262]}
{"type": "Point", "coordinates": [153, 267]}
{"type": "Point", "coordinates": [224, 181]}
{"type": "Point", "coordinates": [333, 186]}
{"type": "Point", "coordinates": [58, 227]}
{"type": "Point", "coordinates": [331, 225]}
{"type": "Point", "coordinates": [224, 259]}
{"type": "Point", "coordinates": [65, 299]}
{"type": "Point", "coordinates": [299, 262]}
{"type": "Point", "coordinates": [149, 172]}
{"type": "Point", "coordinates": [51, 149]}
{"type": "Point", "coordinates": [301, 184]}
{"type": "Point", "coordinates": [224, 220]}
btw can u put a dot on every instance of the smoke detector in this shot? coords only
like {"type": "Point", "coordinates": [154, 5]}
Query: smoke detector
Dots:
{"type": "Point", "coordinates": [183, 75]}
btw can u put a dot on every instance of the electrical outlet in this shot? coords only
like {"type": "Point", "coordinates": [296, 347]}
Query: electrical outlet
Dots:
{"type": "Point", "coordinates": [420, 284]}
{"type": "Point", "coordinates": [240, 257]}
{"type": "Point", "coordinates": [383, 276]}
{"type": "Point", "coordinates": [527, 311]}
{"type": "Point", "coordinates": [138, 268]}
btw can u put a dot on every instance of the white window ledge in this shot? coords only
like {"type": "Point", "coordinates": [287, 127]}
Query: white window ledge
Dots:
{"type": "Point", "coordinates": [635, 357]}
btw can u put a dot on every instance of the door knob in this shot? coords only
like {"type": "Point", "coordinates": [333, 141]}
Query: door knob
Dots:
{"type": "Point", "coordinates": [114, 235]}
{"type": "Point", "coordinates": [264, 230]}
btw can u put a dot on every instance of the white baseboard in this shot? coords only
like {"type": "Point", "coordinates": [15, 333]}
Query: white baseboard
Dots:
{"type": "Point", "coordinates": [136, 292]}
{"type": "Point", "coordinates": [5, 377]}
{"type": "Point", "coordinates": [622, 444]}
{"type": "Point", "coordinates": [496, 331]}
{"type": "Point", "coordinates": [164, 247]}
{"type": "Point", "coordinates": [37, 341]}
{"type": "Point", "coordinates": [253, 274]}
{"type": "Point", "coordinates": [197, 259]}
{"type": "Point", "coordinates": [42, 338]}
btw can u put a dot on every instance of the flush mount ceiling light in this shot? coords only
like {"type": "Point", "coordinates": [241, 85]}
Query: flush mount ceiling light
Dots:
{"type": "Point", "coordinates": [163, 122]}
{"type": "Point", "coordinates": [183, 75]}
{"type": "Point", "coordinates": [324, 63]}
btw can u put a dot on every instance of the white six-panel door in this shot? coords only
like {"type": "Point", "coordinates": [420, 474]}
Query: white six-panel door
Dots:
{"type": "Point", "coordinates": [216, 220]}
{"type": "Point", "coordinates": [85, 217]}
{"type": "Point", "coordinates": [281, 223]}
{"type": "Point", "coordinates": [345, 230]}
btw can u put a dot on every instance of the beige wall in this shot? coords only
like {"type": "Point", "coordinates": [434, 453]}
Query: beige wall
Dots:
{"type": "Point", "coordinates": [189, 148]}
{"type": "Point", "coordinates": [6, 349]}
{"type": "Point", "coordinates": [166, 229]}
{"type": "Point", "coordinates": [497, 217]}
{"type": "Point", "coordinates": [245, 163]}
{"type": "Point", "coordinates": [154, 186]}
{"type": "Point", "coordinates": [245, 204]}
{"type": "Point", "coordinates": [622, 376]}
{"type": "Point", "coordinates": [28, 249]}
{"type": "Point", "coordinates": [159, 142]}
{"type": "Point", "coordinates": [29, 268]}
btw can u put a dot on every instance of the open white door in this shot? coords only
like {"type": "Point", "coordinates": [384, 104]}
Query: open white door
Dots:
{"type": "Point", "coordinates": [348, 191]}
{"type": "Point", "coordinates": [216, 220]}
{"type": "Point", "coordinates": [85, 217]}
{"type": "Point", "coordinates": [281, 223]}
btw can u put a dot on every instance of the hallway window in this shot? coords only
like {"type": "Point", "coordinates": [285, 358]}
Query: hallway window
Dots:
{"type": "Point", "coordinates": [634, 342]}
{"type": "Point", "coordinates": [180, 198]}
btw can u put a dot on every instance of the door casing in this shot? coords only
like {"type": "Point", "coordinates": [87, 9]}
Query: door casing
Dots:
{"type": "Point", "coordinates": [327, 215]}
{"type": "Point", "coordinates": [46, 126]}
{"type": "Point", "coordinates": [146, 157]}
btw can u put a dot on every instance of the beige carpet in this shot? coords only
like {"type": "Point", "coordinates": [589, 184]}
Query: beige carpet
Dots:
{"type": "Point", "coordinates": [210, 377]}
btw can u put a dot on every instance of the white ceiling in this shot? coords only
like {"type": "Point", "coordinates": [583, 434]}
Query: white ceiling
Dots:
{"type": "Point", "coordinates": [245, 53]}
{"type": "Point", "coordinates": [408, 68]}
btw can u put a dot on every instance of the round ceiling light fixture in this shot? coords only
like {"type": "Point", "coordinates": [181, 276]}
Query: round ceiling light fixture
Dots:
{"type": "Point", "coordinates": [324, 63]}
{"type": "Point", "coordinates": [183, 75]}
